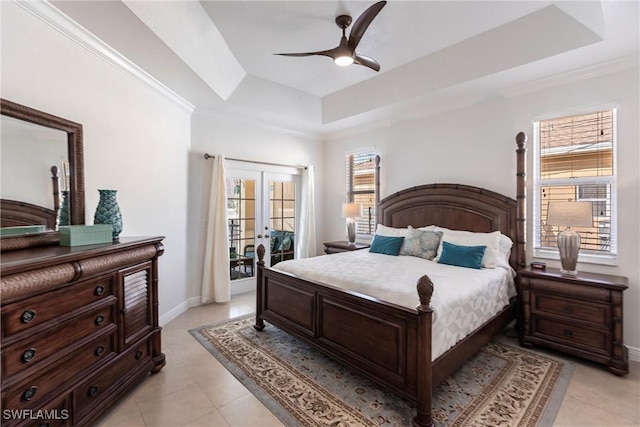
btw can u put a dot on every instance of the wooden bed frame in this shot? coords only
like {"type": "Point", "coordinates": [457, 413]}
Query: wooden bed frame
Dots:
{"type": "Point", "coordinates": [14, 213]}
{"type": "Point", "coordinates": [388, 343]}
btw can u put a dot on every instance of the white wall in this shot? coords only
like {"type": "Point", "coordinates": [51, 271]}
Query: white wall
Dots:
{"type": "Point", "coordinates": [235, 138]}
{"type": "Point", "coordinates": [476, 146]}
{"type": "Point", "coordinates": [135, 140]}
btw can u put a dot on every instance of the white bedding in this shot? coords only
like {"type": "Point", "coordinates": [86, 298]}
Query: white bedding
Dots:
{"type": "Point", "coordinates": [463, 298]}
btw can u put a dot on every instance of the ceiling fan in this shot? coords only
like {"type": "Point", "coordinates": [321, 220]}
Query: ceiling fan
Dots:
{"type": "Point", "coordinates": [345, 54]}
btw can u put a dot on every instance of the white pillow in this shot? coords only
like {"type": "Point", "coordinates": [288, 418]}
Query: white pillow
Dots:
{"type": "Point", "coordinates": [383, 230]}
{"type": "Point", "coordinates": [504, 253]}
{"type": "Point", "coordinates": [468, 238]}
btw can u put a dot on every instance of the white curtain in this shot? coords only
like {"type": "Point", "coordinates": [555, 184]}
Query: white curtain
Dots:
{"type": "Point", "coordinates": [216, 283]}
{"type": "Point", "coordinates": [306, 243]}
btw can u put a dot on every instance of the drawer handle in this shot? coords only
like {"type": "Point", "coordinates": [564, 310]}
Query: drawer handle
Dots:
{"type": "Point", "coordinates": [99, 350]}
{"type": "Point", "coordinates": [44, 425]}
{"type": "Point", "coordinates": [568, 333]}
{"type": "Point", "coordinates": [138, 354]}
{"type": "Point", "coordinates": [27, 316]}
{"type": "Point", "coordinates": [29, 355]}
{"type": "Point", "coordinates": [29, 393]}
{"type": "Point", "coordinates": [568, 309]}
{"type": "Point", "coordinates": [93, 390]}
{"type": "Point", "coordinates": [99, 320]}
{"type": "Point", "coordinates": [99, 290]}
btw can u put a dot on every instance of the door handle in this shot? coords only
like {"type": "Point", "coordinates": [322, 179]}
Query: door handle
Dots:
{"type": "Point", "coordinates": [259, 236]}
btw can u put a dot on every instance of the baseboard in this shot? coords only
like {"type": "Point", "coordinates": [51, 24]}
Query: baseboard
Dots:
{"type": "Point", "coordinates": [634, 353]}
{"type": "Point", "coordinates": [178, 310]}
{"type": "Point", "coordinates": [236, 289]}
{"type": "Point", "coordinates": [242, 287]}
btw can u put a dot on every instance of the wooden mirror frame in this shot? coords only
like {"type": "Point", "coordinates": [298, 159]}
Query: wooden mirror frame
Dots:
{"type": "Point", "coordinates": [76, 166]}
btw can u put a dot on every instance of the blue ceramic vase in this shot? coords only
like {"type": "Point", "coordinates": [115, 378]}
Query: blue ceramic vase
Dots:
{"type": "Point", "coordinates": [108, 212]}
{"type": "Point", "coordinates": [62, 218]}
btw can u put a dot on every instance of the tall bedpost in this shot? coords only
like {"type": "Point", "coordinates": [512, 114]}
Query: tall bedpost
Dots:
{"type": "Point", "coordinates": [56, 188]}
{"type": "Point", "coordinates": [377, 181]}
{"type": "Point", "coordinates": [259, 325]}
{"type": "Point", "coordinates": [425, 379]}
{"type": "Point", "coordinates": [521, 197]}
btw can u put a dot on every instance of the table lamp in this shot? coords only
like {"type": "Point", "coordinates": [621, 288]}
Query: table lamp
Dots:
{"type": "Point", "coordinates": [569, 214]}
{"type": "Point", "coordinates": [351, 211]}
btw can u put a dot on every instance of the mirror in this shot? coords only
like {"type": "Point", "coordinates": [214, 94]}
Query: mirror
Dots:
{"type": "Point", "coordinates": [32, 142]}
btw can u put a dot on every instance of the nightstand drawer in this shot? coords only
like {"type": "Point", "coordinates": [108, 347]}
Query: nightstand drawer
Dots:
{"type": "Point", "coordinates": [570, 290]}
{"type": "Point", "coordinates": [569, 334]}
{"type": "Point", "coordinates": [596, 314]}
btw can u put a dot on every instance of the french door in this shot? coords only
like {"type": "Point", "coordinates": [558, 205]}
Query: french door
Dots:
{"type": "Point", "coordinates": [261, 209]}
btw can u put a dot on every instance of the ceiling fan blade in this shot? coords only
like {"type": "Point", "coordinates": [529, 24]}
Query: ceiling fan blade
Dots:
{"type": "Point", "coordinates": [330, 53]}
{"type": "Point", "coordinates": [367, 62]}
{"type": "Point", "coordinates": [362, 23]}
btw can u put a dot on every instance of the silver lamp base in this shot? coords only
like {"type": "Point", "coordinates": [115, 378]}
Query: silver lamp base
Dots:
{"type": "Point", "coordinates": [351, 232]}
{"type": "Point", "coordinates": [569, 246]}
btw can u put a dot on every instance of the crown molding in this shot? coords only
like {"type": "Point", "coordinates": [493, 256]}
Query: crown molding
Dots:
{"type": "Point", "coordinates": [570, 77]}
{"type": "Point", "coordinates": [61, 22]}
{"type": "Point", "coordinates": [240, 119]}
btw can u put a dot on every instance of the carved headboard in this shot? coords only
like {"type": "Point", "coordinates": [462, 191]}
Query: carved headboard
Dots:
{"type": "Point", "coordinates": [454, 206]}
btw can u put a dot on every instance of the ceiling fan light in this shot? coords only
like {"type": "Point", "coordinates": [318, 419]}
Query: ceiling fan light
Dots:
{"type": "Point", "coordinates": [343, 61]}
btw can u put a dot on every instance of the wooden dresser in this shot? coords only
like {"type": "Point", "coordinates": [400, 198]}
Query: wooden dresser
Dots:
{"type": "Point", "coordinates": [79, 328]}
{"type": "Point", "coordinates": [579, 315]}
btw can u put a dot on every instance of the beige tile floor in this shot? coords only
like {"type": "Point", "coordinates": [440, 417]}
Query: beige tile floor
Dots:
{"type": "Point", "coordinates": [194, 389]}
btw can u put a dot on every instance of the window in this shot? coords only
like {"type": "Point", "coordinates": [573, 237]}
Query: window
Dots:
{"type": "Point", "coordinates": [361, 188]}
{"type": "Point", "coordinates": [574, 159]}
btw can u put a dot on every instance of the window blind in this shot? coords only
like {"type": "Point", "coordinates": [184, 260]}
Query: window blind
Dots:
{"type": "Point", "coordinates": [361, 188]}
{"type": "Point", "coordinates": [574, 159]}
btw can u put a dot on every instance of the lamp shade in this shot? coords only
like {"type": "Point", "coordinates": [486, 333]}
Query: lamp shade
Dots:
{"type": "Point", "coordinates": [570, 214]}
{"type": "Point", "coordinates": [351, 210]}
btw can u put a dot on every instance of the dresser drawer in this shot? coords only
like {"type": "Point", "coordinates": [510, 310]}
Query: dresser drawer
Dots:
{"type": "Point", "coordinates": [597, 314]}
{"type": "Point", "coordinates": [54, 343]}
{"type": "Point", "coordinates": [37, 310]}
{"type": "Point", "coordinates": [30, 392]}
{"type": "Point", "coordinates": [94, 391]}
{"type": "Point", "coordinates": [569, 334]}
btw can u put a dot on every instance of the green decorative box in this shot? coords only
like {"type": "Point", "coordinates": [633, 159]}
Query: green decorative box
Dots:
{"type": "Point", "coordinates": [79, 235]}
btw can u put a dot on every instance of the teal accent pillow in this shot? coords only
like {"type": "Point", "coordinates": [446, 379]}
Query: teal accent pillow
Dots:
{"type": "Point", "coordinates": [462, 256]}
{"type": "Point", "coordinates": [386, 245]}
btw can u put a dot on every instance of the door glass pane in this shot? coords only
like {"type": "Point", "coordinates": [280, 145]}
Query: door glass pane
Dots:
{"type": "Point", "coordinates": [282, 220]}
{"type": "Point", "coordinates": [241, 211]}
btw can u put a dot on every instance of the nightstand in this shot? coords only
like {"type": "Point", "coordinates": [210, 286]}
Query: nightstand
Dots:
{"type": "Point", "coordinates": [579, 315]}
{"type": "Point", "coordinates": [343, 246]}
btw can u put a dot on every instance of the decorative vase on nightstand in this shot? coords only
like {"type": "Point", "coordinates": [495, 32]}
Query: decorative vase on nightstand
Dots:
{"type": "Point", "coordinates": [108, 212]}
{"type": "Point", "coordinates": [63, 211]}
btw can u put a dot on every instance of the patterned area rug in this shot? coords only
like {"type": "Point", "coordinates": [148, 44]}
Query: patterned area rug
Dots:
{"type": "Point", "coordinates": [501, 385]}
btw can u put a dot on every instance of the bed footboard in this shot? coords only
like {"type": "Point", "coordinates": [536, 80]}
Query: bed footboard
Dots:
{"type": "Point", "coordinates": [389, 344]}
